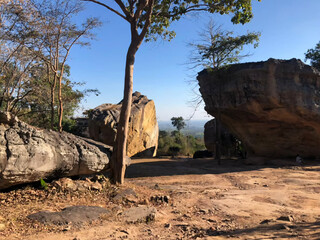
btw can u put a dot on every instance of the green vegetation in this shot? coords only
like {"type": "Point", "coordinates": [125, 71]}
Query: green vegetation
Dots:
{"type": "Point", "coordinates": [35, 41]}
{"type": "Point", "coordinates": [178, 122]}
{"type": "Point", "coordinates": [176, 143]}
{"type": "Point", "coordinates": [218, 47]}
{"type": "Point", "coordinates": [44, 185]}
{"type": "Point", "coordinates": [314, 56]}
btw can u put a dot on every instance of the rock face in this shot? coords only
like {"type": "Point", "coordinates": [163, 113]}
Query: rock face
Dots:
{"type": "Point", "coordinates": [75, 215]}
{"type": "Point", "coordinates": [272, 106]}
{"type": "Point", "coordinates": [28, 154]}
{"type": "Point", "coordinates": [143, 126]}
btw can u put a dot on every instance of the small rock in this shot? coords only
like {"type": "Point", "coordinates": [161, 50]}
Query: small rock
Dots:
{"type": "Point", "coordinates": [126, 194]}
{"type": "Point", "coordinates": [156, 187]}
{"type": "Point", "coordinates": [67, 228]}
{"type": "Point", "coordinates": [167, 225]}
{"type": "Point", "coordinates": [2, 219]}
{"type": "Point", "coordinates": [288, 218]}
{"type": "Point", "coordinates": [65, 184]}
{"type": "Point", "coordinates": [2, 227]}
{"type": "Point", "coordinates": [265, 185]}
{"type": "Point", "coordinates": [211, 220]}
{"type": "Point", "coordinates": [140, 214]}
{"type": "Point", "coordinates": [266, 221]}
{"type": "Point", "coordinates": [203, 211]}
{"type": "Point", "coordinates": [160, 199]}
{"type": "Point", "coordinates": [96, 186]}
{"type": "Point", "coordinates": [144, 202]}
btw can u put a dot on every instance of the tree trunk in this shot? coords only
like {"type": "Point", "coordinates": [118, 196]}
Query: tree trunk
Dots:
{"type": "Point", "coordinates": [52, 88]}
{"type": "Point", "coordinates": [118, 161]}
{"type": "Point", "coordinates": [60, 104]}
{"type": "Point", "coordinates": [52, 106]}
{"type": "Point", "coordinates": [218, 138]}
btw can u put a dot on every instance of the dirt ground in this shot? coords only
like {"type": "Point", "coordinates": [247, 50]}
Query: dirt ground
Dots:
{"type": "Point", "coordinates": [236, 200]}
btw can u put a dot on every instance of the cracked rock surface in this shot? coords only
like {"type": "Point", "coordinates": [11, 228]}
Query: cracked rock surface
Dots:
{"type": "Point", "coordinates": [28, 154]}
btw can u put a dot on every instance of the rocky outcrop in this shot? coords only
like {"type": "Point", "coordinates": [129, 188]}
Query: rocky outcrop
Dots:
{"type": "Point", "coordinates": [272, 106]}
{"type": "Point", "coordinates": [28, 154]}
{"type": "Point", "coordinates": [143, 126]}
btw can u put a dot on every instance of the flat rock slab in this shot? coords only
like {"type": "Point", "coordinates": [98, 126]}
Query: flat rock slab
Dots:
{"type": "Point", "coordinates": [140, 214]}
{"type": "Point", "coordinates": [75, 215]}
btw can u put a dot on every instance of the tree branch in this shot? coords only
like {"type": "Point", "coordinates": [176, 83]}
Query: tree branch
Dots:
{"type": "Point", "coordinates": [111, 9]}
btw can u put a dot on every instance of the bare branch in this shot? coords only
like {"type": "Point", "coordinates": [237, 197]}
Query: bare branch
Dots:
{"type": "Point", "coordinates": [109, 8]}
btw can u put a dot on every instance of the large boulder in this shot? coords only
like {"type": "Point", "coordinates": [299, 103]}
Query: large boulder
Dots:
{"type": "Point", "coordinates": [143, 126]}
{"type": "Point", "coordinates": [28, 154]}
{"type": "Point", "coordinates": [272, 106]}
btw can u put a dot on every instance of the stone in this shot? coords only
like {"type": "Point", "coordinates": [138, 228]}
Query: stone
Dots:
{"type": "Point", "coordinates": [75, 215]}
{"type": "Point", "coordinates": [266, 221]}
{"type": "Point", "coordinates": [141, 214]}
{"type": "Point", "coordinates": [143, 126]}
{"type": "Point", "coordinates": [65, 184]}
{"type": "Point", "coordinates": [125, 194]}
{"type": "Point", "coordinates": [2, 227]}
{"type": "Point", "coordinates": [96, 186]}
{"type": "Point", "coordinates": [28, 154]}
{"type": "Point", "coordinates": [288, 218]}
{"type": "Point", "coordinates": [273, 107]}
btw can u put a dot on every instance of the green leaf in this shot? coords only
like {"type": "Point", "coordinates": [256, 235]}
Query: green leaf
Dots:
{"type": "Point", "coordinates": [44, 185]}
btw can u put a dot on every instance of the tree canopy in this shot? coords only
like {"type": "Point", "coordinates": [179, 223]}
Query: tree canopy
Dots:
{"type": "Point", "coordinates": [313, 55]}
{"type": "Point", "coordinates": [35, 41]}
{"type": "Point", "coordinates": [178, 122]}
{"type": "Point", "coordinates": [218, 47]}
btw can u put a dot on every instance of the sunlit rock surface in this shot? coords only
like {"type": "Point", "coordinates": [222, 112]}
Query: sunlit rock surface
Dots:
{"type": "Point", "coordinates": [272, 106]}
{"type": "Point", "coordinates": [28, 153]}
{"type": "Point", "coordinates": [143, 126]}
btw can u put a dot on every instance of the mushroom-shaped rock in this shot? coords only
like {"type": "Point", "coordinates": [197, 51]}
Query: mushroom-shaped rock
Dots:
{"type": "Point", "coordinates": [273, 107]}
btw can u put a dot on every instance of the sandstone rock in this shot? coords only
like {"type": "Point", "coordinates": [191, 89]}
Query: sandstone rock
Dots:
{"type": "Point", "coordinates": [143, 126]}
{"type": "Point", "coordinates": [2, 227]}
{"type": "Point", "coordinates": [272, 106]}
{"type": "Point", "coordinates": [28, 154]}
{"type": "Point", "coordinates": [141, 214]}
{"type": "Point", "coordinates": [75, 215]}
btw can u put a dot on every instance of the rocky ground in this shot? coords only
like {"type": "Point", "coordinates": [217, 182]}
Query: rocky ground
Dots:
{"type": "Point", "coordinates": [172, 199]}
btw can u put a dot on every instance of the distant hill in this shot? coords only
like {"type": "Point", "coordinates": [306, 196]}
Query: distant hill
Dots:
{"type": "Point", "coordinates": [193, 127]}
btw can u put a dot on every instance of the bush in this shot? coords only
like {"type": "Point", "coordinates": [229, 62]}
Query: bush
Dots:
{"type": "Point", "coordinates": [176, 143]}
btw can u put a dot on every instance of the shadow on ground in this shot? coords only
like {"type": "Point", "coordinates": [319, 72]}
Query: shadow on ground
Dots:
{"type": "Point", "coordinates": [275, 231]}
{"type": "Point", "coordinates": [187, 166]}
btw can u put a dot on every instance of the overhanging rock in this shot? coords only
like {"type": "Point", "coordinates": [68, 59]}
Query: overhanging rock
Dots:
{"type": "Point", "coordinates": [272, 106]}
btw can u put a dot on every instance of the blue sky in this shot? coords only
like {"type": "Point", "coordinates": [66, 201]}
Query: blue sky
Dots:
{"type": "Point", "coordinates": [288, 28]}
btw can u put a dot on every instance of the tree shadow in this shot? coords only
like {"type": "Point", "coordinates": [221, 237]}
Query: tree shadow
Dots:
{"type": "Point", "coordinates": [277, 230]}
{"type": "Point", "coordinates": [187, 166]}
